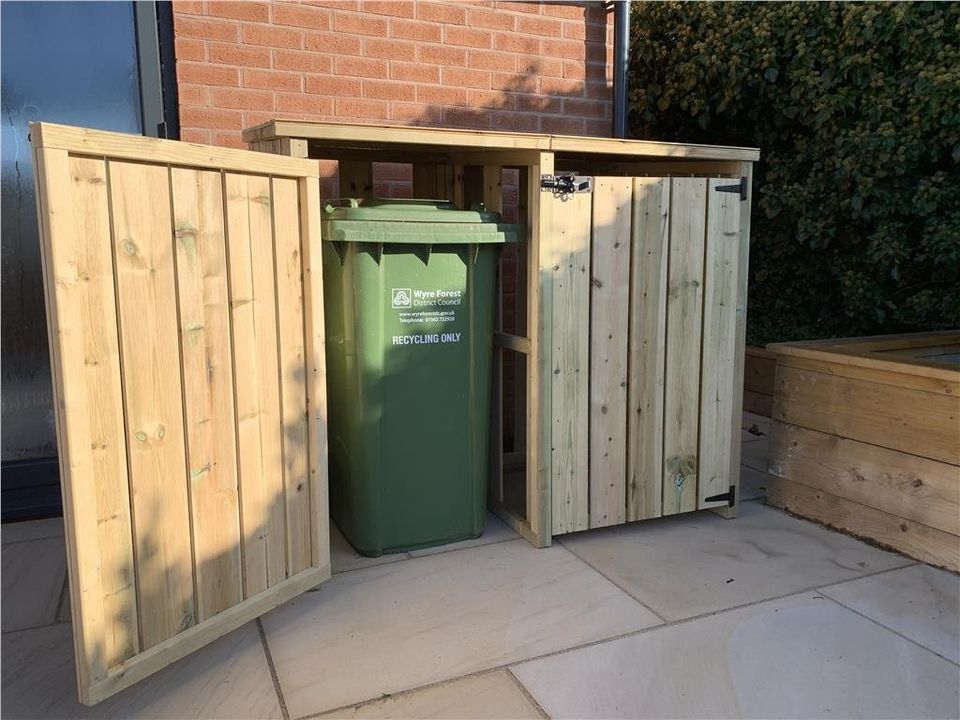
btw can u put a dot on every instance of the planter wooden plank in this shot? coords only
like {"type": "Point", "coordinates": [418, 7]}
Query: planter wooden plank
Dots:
{"type": "Point", "coordinates": [916, 488]}
{"type": "Point", "coordinates": [919, 423]}
{"type": "Point", "coordinates": [869, 443]}
{"type": "Point", "coordinates": [912, 538]}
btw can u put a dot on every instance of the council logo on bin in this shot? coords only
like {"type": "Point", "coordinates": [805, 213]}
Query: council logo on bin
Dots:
{"type": "Point", "coordinates": [401, 298]}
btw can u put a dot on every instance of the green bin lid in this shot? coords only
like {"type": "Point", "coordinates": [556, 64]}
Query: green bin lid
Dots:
{"type": "Point", "coordinates": [431, 222]}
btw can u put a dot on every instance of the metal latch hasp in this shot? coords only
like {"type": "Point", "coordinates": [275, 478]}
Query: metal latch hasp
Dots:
{"type": "Point", "coordinates": [566, 184]}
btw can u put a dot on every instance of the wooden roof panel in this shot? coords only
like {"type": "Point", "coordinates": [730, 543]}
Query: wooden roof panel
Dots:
{"type": "Point", "coordinates": [458, 140]}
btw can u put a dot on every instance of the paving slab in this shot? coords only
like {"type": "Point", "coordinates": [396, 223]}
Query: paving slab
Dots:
{"type": "Point", "coordinates": [31, 530]}
{"type": "Point", "coordinates": [691, 564]}
{"type": "Point", "coordinates": [495, 531]}
{"type": "Point", "coordinates": [756, 426]}
{"type": "Point", "coordinates": [799, 657]}
{"type": "Point", "coordinates": [227, 679]}
{"type": "Point", "coordinates": [754, 453]}
{"type": "Point", "coordinates": [385, 629]}
{"type": "Point", "coordinates": [920, 602]}
{"type": "Point", "coordinates": [753, 483]}
{"type": "Point", "coordinates": [494, 695]}
{"type": "Point", "coordinates": [34, 572]}
{"type": "Point", "coordinates": [344, 558]}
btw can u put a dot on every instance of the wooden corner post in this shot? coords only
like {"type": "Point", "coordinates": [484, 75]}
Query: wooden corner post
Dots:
{"type": "Point", "coordinates": [540, 209]}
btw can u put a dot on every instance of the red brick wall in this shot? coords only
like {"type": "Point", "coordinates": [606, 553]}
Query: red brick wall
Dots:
{"type": "Point", "coordinates": [532, 67]}
{"type": "Point", "coordinates": [528, 67]}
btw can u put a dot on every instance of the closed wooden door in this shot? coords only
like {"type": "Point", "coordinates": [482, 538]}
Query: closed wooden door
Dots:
{"type": "Point", "coordinates": [644, 412]}
{"type": "Point", "coordinates": [184, 304]}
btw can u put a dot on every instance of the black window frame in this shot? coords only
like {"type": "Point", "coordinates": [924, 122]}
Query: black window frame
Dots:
{"type": "Point", "coordinates": [31, 488]}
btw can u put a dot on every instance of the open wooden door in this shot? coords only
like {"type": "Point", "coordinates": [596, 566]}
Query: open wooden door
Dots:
{"type": "Point", "coordinates": [184, 306]}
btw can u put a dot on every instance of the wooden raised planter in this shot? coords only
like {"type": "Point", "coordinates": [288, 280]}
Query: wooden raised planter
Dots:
{"type": "Point", "coordinates": [758, 371]}
{"type": "Point", "coordinates": [865, 437]}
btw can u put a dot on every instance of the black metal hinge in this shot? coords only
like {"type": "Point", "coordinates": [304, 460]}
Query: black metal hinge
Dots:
{"type": "Point", "coordinates": [740, 187]}
{"type": "Point", "coordinates": [730, 496]}
{"type": "Point", "coordinates": [565, 184]}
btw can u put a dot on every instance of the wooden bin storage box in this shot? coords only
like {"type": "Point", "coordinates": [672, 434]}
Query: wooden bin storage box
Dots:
{"type": "Point", "coordinates": [619, 351]}
{"type": "Point", "coordinates": [185, 310]}
{"type": "Point", "coordinates": [865, 437]}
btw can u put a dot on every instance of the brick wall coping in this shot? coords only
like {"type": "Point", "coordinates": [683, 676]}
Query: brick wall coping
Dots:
{"type": "Point", "coordinates": [377, 136]}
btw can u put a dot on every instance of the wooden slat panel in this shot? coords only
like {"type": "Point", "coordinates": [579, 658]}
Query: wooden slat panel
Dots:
{"type": "Point", "coordinates": [208, 387]}
{"type": "Point", "coordinates": [913, 421]}
{"type": "Point", "coordinates": [493, 188]}
{"type": "Point", "coordinates": [434, 181]}
{"type": "Point", "coordinates": [648, 327]}
{"type": "Point", "coordinates": [315, 370]}
{"type": "Point", "coordinates": [356, 179]}
{"type": "Point", "coordinates": [82, 326]}
{"type": "Point", "coordinates": [146, 290]}
{"type": "Point", "coordinates": [286, 222]}
{"type": "Point", "coordinates": [101, 355]}
{"type": "Point", "coordinates": [719, 350]}
{"type": "Point", "coordinates": [424, 180]}
{"type": "Point", "coordinates": [684, 326]}
{"type": "Point", "coordinates": [570, 257]}
{"type": "Point", "coordinates": [471, 184]}
{"type": "Point", "coordinates": [609, 331]}
{"type": "Point", "coordinates": [906, 536]}
{"type": "Point", "coordinates": [252, 286]}
{"type": "Point", "coordinates": [916, 488]}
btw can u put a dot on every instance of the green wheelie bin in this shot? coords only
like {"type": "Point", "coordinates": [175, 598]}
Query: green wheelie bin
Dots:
{"type": "Point", "coordinates": [409, 311]}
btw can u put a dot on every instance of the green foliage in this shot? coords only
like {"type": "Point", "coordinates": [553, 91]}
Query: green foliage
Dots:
{"type": "Point", "coordinates": [856, 109]}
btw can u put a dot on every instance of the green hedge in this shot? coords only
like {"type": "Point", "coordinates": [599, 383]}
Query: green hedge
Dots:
{"type": "Point", "coordinates": [856, 109]}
